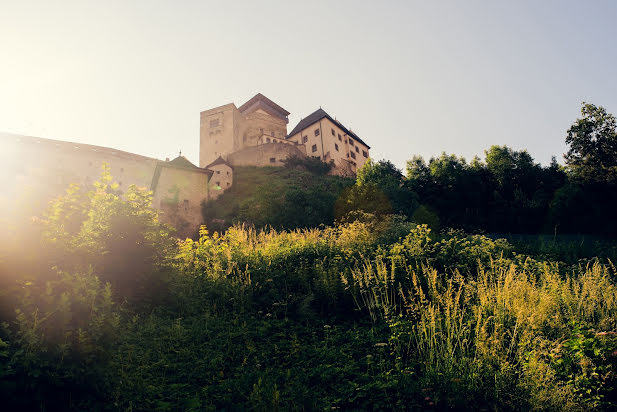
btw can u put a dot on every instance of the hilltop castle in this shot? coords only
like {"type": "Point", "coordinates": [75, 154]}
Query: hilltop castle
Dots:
{"type": "Point", "coordinates": [254, 134]}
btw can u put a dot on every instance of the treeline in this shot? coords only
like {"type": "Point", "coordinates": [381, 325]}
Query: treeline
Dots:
{"type": "Point", "coordinates": [507, 191]}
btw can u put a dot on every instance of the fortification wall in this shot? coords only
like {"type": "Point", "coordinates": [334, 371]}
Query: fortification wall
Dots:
{"type": "Point", "coordinates": [269, 154]}
{"type": "Point", "coordinates": [37, 170]}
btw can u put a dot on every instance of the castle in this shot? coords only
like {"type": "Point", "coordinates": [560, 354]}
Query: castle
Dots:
{"type": "Point", "coordinates": [254, 134]}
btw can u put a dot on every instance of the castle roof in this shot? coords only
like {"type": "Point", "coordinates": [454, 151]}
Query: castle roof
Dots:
{"type": "Point", "coordinates": [259, 101]}
{"type": "Point", "coordinates": [316, 116]}
{"type": "Point", "coordinates": [179, 162]}
{"type": "Point", "coordinates": [219, 161]}
{"type": "Point", "coordinates": [182, 162]}
{"type": "Point", "coordinates": [72, 146]}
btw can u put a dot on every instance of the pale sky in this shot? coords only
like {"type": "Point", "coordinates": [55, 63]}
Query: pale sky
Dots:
{"type": "Point", "coordinates": [409, 77]}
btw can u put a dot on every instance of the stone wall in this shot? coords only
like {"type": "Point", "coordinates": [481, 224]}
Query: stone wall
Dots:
{"type": "Point", "coordinates": [269, 154]}
{"type": "Point", "coordinates": [36, 170]}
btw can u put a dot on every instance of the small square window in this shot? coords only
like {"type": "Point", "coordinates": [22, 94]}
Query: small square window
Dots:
{"type": "Point", "coordinates": [336, 147]}
{"type": "Point", "coordinates": [364, 153]}
{"type": "Point", "coordinates": [316, 132]}
{"type": "Point", "coordinates": [218, 172]}
{"type": "Point", "coordinates": [273, 160]}
{"type": "Point", "coordinates": [332, 132]}
{"type": "Point", "coordinates": [357, 150]}
{"type": "Point", "coordinates": [227, 184]}
{"type": "Point", "coordinates": [353, 155]}
{"type": "Point", "coordinates": [340, 139]}
{"type": "Point", "coordinates": [228, 173]}
{"type": "Point", "coordinates": [314, 148]}
{"type": "Point", "coordinates": [214, 123]}
{"type": "Point", "coordinates": [304, 139]}
{"type": "Point", "coordinates": [351, 142]}
{"type": "Point", "coordinates": [267, 140]}
{"type": "Point", "coordinates": [218, 183]}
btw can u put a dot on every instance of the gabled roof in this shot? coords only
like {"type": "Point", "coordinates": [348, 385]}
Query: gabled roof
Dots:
{"type": "Point", "coordinates": [316, 116]}
{"type": "Point", "coordinates": [259, 101]}
{"type": "Point", "coordinates": [219, 161]}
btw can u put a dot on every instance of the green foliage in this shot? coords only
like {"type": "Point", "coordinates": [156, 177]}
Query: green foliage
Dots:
{"type": "Point", "coordinates": [310, 163]}
{"type": "Point", "coordinates": [283, 198]}
{"type": "Point", "coordinates": [592, 140]}
{"type": "Point", "coordinates": [117, 234]}
{"type": "Point", "coordinates": [371, 313]}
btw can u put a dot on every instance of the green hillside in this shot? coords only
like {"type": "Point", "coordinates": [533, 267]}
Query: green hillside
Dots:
{"type": "Point", "coordinates": [281, 197]}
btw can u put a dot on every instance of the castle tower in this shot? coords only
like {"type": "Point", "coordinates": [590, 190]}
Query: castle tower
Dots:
{"type": "Point", "coordinates": [227, 129]}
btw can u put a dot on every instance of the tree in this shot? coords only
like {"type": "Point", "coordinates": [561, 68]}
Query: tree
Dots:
{"type": "Point", "coordinates": [389, 180]}
{"type": "Point", "coordinates": [592, 155]}
{"type": "Point", "coordinates": [117, 235]}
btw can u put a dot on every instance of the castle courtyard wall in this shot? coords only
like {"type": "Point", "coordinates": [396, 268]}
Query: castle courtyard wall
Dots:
{"type": "Point", "coordinates": [268, 154]}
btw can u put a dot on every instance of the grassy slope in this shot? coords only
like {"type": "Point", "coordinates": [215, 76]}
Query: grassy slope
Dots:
{"type": "Point", "coordinates": [259, 194]}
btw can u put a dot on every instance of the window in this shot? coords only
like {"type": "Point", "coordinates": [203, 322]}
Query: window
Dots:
{"type": "Point", "coordinates": [267, 140]}
{"type": "Point", "coordinates": [217, 183]}
{"type": "Point", "coordinates": [214, 123]}
{"type": "Point", "coordinates": [364, 153]}
{"type": "Point", "coordinates": [227, 184]}
{"type": "Point", "coordinates": [332, 132]}
{"type": "Point", "coordinates": [272, 133]}
{"type": "Point", "coordinates": [336, 147]}
{"type": "Point", "coordinates": [351, 142]}
{"type": "Point", "coordinates": [304, 139]}
{"type": "Point", "coordinates": [261, 131]}
{"type": "Point", "coordinates": [339, 138]}
{"type": "Point", "coordinates": [314, 148]}
{"type": "Point", "coordinates": [353, 155]}
{"type": "Point", "coordinates": [345, 141]}
{"type": "Point", "coordinates": [218, 172]}
{"type": "Point", "coordinates": [357, 150]}
{"type": "Point", "coordinates": [227, 173]}
{"type": "Point", "coordinates": [316, 132]}
{"type": "Point", "coordinates": [272, 159]}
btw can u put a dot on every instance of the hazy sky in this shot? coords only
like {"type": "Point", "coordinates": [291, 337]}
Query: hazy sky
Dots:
{"type": "Point", "coordinates": [409, 77]}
